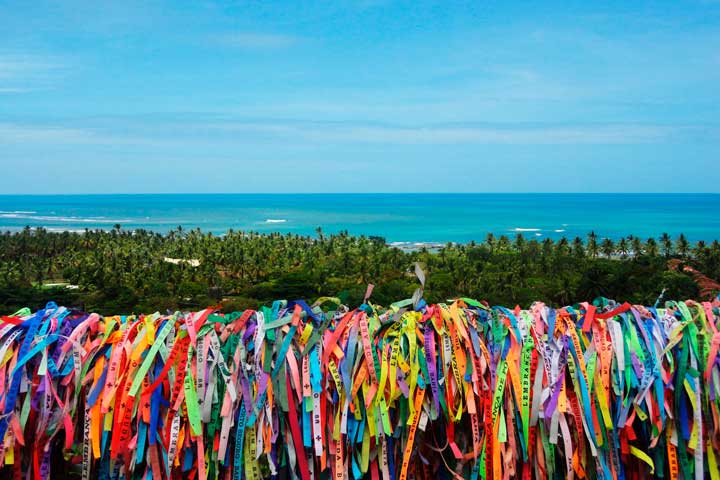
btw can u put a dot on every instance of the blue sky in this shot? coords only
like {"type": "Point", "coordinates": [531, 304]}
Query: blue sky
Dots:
{"type": "Point", "coordinates": [359, 96]}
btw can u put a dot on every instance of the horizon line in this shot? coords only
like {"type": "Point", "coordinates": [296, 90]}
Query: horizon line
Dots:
{"type": "Point", "coordinates": [343, 193]}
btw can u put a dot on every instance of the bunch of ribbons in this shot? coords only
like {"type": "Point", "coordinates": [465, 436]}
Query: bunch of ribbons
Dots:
{"type": "Point", "coordinates": [297, 391]}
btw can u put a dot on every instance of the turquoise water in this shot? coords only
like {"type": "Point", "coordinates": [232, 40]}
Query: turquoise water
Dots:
{"type": "Point", "coordinates": [397, 217]}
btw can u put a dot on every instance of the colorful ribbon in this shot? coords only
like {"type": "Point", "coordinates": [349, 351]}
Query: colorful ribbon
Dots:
{"type": "Point", "coordinates": [297, 392]}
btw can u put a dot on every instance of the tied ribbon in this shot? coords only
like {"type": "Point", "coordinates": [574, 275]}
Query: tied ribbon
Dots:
{"type": "Point", "coordinates": [300, 391]}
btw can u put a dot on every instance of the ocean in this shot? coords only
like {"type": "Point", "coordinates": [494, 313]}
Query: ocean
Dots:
{"type": "Point", "coordinates": [403, 219]}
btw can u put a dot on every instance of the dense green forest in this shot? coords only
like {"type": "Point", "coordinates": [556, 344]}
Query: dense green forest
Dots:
{"type": "Point", "coordinates": [121, 271]}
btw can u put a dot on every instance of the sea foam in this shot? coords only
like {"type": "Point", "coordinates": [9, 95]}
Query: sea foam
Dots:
{"type": "Point", "coordinates": [51, 218]}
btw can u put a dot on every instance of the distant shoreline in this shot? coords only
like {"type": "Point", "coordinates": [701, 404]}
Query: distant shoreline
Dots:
{"type": "Point", "coordinates": [119, 269]}
{"type": "Point", "coordinates": [528, 234]}
{"type": "Point", "coordinates": [407, 218]}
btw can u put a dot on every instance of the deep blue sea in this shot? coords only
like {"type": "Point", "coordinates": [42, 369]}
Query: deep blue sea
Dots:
{"type": "Point", "coordinates": [397, 217]}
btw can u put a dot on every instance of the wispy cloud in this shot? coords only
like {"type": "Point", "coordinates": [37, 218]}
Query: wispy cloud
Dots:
{"type": "Point", "coordinates": [13, 66]}
{"type": "Point", "coordinates": [44, 135]}
{"type": "Point", "coordinates": [24, 73]}
{"type": "Point", "coordinates": [453, 134]}
{"type": "Point", "coordinates": [174, 134]}
{"type": "Point", "coordinates": [11, 133]}
{"type": "Point", "coordinates": [6, 90]}
{"type": "Point", "coordinates": [256, 41]}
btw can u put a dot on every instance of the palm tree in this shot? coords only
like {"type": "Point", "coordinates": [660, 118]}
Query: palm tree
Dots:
{"type": "Point", "coordinates": [592, 245]}
{"type": "Point", "coordinates": [565, 293]}
{"type": "Point", "coordinates": [595, 284]}
{"type": "Point", "coordinates": [666, 243]}
{"type": "Point", "coordinates": [637, 246]}
{"type": "Point", "coordinates": [715, 246]}
{"type": "Point", "coordinates": [651, 247]}
{"type": "Point", "coordinates": [607, 247]}
{"type": "Point", "coordinates": [547, 247]}
{"type": "Point", "coordinates": [578, 247]}
{"type": "Point", "coordinates": [622, 247]}
{"type": "Point", "coordinates": [683, 246]}
{"type": "Point", "coordinates": [503, 243]}
{"type": "Point", "coordinates": [700, 250]}
{"type": "Point", "coordinates": [490, 241]}
{"type": "Point", "coordinates": [562, 247]}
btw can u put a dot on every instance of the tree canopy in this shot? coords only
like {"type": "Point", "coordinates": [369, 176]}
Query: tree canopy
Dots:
{"type": "Point", "coordinates": [141, 271]}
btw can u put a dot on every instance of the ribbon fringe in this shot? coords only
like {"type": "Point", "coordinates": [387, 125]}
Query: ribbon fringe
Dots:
{"type": "Point", "coordinates": [298, 392]}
